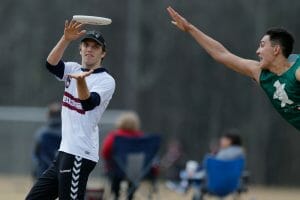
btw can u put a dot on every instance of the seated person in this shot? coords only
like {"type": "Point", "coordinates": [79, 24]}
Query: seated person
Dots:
{"type": "Point", "coordinates": [172, 161]}
{"type": "Point", "coordinates": [128, 125]}
{"type": "Point", "coordinates": [230, 148]}
{"type": "Point", "coordinates": [47, 141]}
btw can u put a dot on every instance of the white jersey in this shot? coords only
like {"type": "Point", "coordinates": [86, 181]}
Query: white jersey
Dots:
{"type": "Point", "coordinates": [80, 132]}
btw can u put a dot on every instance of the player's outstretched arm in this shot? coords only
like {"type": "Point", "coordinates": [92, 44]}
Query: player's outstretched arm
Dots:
{"type": "Point", "coordinates": [72, 31]}
{"type": "Point", "coordinates": [215, 49]}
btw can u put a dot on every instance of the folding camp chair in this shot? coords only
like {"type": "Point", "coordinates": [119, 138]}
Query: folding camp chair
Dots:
{"type": "Point", "coordinates": [134, 157]}
{"type": "Point", "coordinates": [222, 178]}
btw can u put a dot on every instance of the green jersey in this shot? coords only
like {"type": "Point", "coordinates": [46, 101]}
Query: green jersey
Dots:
{"type": "Point", "coordinates": [284, 92]}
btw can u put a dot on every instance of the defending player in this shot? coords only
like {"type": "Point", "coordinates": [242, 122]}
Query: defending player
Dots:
{"type": "Point", "coordinates": [88, 90]}
{"type": "Point", "coordinates": [279, 78]}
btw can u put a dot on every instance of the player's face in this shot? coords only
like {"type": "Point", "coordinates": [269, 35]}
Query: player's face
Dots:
{"type": "Point", "coordinates": [266, 52]}
{"type": "Point", "coordinates": [91, 53]}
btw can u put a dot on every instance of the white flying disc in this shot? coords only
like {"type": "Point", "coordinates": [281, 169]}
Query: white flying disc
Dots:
{"type": "Point", "coordinates": [93, 20]}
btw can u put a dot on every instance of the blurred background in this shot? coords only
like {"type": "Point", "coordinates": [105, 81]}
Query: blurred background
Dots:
{"type": "Point", "coordinates": [160, 72]}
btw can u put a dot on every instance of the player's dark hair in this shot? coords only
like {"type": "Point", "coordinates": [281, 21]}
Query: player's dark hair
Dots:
{"type": "Point", "coordinates": [234, 137]}
{"type": "Point", "coordinates": [283, 38]}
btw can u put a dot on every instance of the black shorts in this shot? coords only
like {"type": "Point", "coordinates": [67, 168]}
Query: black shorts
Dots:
{"type": "Point", "coordinates": [66, 179]}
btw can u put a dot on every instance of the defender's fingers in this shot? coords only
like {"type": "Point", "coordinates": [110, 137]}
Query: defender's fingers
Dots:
{"type": "Point", "coordinates": [171, 12]}
{"type": "Point", "coordinates": [176, 17]}
{"type": "Point", "coordinates": [180, 19]}
{"type": "Point", "coordinates": [170, 9]}
{"type": "Point", "coordinates": [174, 13]}
{"type": "Point", "coordinates": [175, 23]}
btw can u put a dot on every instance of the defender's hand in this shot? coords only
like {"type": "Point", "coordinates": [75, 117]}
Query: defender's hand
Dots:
{"type": "Point", "coordinates": [73, 30]}
{"type": "Point", "coordinates": [178, 20]}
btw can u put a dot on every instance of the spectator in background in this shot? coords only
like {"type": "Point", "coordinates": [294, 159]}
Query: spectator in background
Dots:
{"type": "Point", "coordinates": [172, 160]}
{"type": "Point", "coordinates": [230, 148]}
{"type": "Point", "coordinates": [128, 125]}
{"type": "Point", "coordinates": [47, 141]}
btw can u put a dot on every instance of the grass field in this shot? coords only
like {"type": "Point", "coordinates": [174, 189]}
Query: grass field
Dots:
{"type": "Point", "coordinates": [16, 187]}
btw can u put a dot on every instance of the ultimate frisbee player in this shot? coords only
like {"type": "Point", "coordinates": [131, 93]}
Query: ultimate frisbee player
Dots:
{"type": "Point", "coordinates": [278, 77]}
{"type": "Point", "coordinates": [88, 90]}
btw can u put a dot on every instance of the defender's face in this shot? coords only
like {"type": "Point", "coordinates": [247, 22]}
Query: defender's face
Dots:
{"type": "Point", "coordinates": [266, 52]}
{"type": "Point", "coordinates": [91, 53]}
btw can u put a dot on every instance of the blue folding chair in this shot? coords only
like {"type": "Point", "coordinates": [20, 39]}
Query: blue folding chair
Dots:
{"type": "Point", "coordinates": [134, 157]}
{"type": "Point", "coordinates": [222, 177]}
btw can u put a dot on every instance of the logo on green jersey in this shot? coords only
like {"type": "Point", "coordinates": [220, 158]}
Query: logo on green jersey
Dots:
{"type": "Point", "coordinates": [281, 94]}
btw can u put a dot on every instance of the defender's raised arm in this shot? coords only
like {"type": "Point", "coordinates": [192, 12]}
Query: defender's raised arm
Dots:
{"type": "Point", "coordinates": [215, 49]}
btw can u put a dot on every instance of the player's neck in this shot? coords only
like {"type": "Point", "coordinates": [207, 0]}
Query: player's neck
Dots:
{"type": "Point", "coordinates": [280, 66]}
{"type": "Point", "coordinates": [94, 66]}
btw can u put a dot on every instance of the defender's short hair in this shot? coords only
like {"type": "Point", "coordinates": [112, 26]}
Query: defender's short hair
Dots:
{"type": "Point", "coordinates": [282, 37]}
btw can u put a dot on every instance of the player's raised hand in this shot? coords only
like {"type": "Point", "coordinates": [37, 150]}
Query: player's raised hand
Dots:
{"type": "Point", "coordinates": [73, 30]}
{"type": "Point", "coordinates": [178, 20]}
{"type": "Point", "coordinates": [82, 75]}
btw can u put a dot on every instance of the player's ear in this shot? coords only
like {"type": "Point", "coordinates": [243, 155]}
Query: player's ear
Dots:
{"type": "Point", "coordinates": [277, 49]}
{"type": "Point", "coordinates": [103, 54]}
